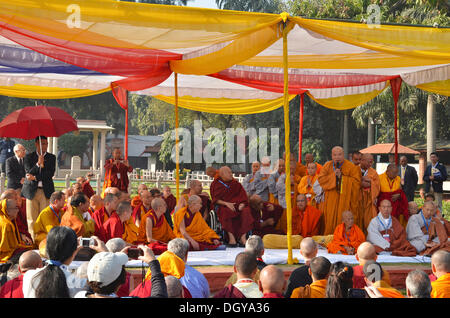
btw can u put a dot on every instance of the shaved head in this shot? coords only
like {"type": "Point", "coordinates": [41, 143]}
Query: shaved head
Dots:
{"type": "Point", "coordinates": [225, 173]}
{"type": "Point", "coordinates": [337, 154]}
{"type": "Point", "coordinates": [366, 160]}
{"type": "Point", "coordinates": [366, 251]}
{"type": "Point", "coordinates": [29, 260]}
{"type": "Point", "coordinates": [308, 248]}
{"type": "Point", "coordinates": [271, 279]}
{"type": "Point", "coordinates": [441, 261]}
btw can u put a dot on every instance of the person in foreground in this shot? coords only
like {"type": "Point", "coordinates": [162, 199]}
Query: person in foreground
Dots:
{"type": "Point", "coordinates": [339, 281]}
{"type": "Point", "coordinates": [440, 266]}
{"type": "Point", "coordinates": [373, 276]}
{"type": "Point", "coordinates": [106, 273]}
{"type": "Point", "coordinates": [271, 282]}
{"type": "Point", "coordinates": [319, 269]}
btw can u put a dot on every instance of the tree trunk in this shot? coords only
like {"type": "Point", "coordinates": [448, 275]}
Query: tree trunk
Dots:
{"type": "Point", "coordinates": [431, 126]}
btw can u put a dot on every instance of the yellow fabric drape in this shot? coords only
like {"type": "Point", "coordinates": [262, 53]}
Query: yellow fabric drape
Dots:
{"type": "Point", "coordinates": [42, 92]}
{"type": "Point", "coordinates": [347, 101]}
{"type": "Point", "coordinates": [287, 147]}
{"type": "Point", "coordinates": [177, 139]}
{"type": "Point", "coordinates": [421, 42]}
{"type": "Point", "coordinates": [343, 61]}
{"type": "Point", "coordinates": [226, 105]}
{"type": "Point", "coordinates": [132, 25]}
{"type": "Point", "coordinates": [438, 87]}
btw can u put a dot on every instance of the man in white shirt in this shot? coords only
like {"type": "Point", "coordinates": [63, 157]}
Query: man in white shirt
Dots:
{"type": "Point", "coordinates": [245, 268]}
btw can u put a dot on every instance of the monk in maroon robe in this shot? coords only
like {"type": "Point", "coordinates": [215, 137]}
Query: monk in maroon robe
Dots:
{"type": "Point", "coordinates": [116, 172]}
{"type": "Point", "coordinates": [103, 214]}
{"type": "Point", "coordinates": [171, 201]}
{"type": "Point", "coordinates": [143, 207]}
{"type": "Point", "coordinates": [266, 216]}
{"type": "Point", "coordinates": [231, 203]}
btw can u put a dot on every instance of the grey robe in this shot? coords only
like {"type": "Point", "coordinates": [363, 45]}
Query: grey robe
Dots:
{"type": "Point", "coordinates": [261, 185]}
{"type": "Point", "coordinates": [374, 232]}
{"type": "Point", "coordinates": [414, 232]}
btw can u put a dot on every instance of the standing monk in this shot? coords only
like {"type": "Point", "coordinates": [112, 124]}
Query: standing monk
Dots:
{"type": "Point", "coordinates": [340, 182]}
{"type": "Point", "coordinates": [368, 193]}
{"type": "Point", "coordinates": [116, 171]}
{"type": "Point", "coordinates": [391, 189]}
{"type": "Point", "coordinates": [249, 181]}
{"type": "Point", "coordinates": [231, 202]}
{"type": "Point", "coordinates": [306, 184]}
{"type": "Point", "coordinates": [273, 179]}
{"type": "Point", "coordinates": [309, 158]}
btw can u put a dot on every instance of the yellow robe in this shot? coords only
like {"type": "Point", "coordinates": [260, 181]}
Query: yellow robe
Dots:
{"type": "Point", "coordinates": [197, 230]}
{"type": "Point", "coordinates": [315, 290]}
{"type": "Point", "coordinates": [308, 190]}
{"type": "Point", "coordinates": [10, 239]}
{"type": "Point", "coordinates": [338, 199]}
{"type": "Point", "coordinates": [44, 223]}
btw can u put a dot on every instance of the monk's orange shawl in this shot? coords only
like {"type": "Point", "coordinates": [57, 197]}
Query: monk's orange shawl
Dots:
{"type": "Point", "coordinates": [341, 238]}
{"type": "Point", "coordinates": [197, 230]}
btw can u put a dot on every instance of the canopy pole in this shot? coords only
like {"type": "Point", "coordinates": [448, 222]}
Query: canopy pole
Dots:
{"type": "Point", "coordinates": [300, 129]}
{"type": "Point", "coordinates": [126, 133]}
{"type": "Point", "coordinates": [396, 84]}
{"type": "Point", "coordinates": [177, 139]}
{"type": "Point", "coordinates": [287, 146]}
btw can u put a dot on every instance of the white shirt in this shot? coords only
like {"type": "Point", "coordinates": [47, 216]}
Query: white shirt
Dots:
{"type": "Point", "coordinates": [249, 288]}
{"type": "Point", "coordinates": [40, 182]}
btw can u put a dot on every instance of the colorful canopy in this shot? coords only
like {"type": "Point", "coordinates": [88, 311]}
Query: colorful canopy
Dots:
{"type": "Point", "coordinates": [55, 49]}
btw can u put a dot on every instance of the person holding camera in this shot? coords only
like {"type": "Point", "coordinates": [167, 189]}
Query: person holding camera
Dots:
{"type": "Point", "coordinates": [106, 274]}
{"type": "Point", "coordinates": [116, 171]}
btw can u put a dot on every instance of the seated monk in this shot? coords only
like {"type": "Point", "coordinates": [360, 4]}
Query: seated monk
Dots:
{"type": "Point", "coordinates": [319, 269]}
{"type": "Point", "coordinates": [306, 183]}
{"type": "Point", "coordinates": [309, 158]}
{"type": "Point", "coordinates": [171, 201]}
{"type": "Point", "coordinates": [11, 243]}
{"type": "Point", "coordinates": [119, 225]}
{"type": "Point", "coordinates": [266, 216]}
{"type": "Point", "coordinates": [373, 273]}
{"type": "Point", "coordinates": [190, 225]}
{"type": "Point", "coordinates": [95, 203]}
{"type": "Point", "coordinates": [440, 266]}
{"type": "Point", "coordinates": [387, 234]}
{"type": "Point", "coordinates": [212, 172]}
{"type": "Point", "coordinates": [307, 220]}
{"type": "Point", "coordinates": [391, 189]}
{"type": "Point", "coordinates": [143, 207]}
{"type": "Point", "coordinates": [426, 232]}
{"type": "Point", "coordinates": [196, 188]}
{"type": "Point", "coordinates": [49, 217]}
{"type": "Point", "coordinates": [347, 237]}
{"type": "Point", "coordinates": [21, 219]}
{"type": "Point", "coordinates": [231, 202]}
{"type": "Point", "coordinates": [136, 200]}
{"type": "Point", "coordinates": [102, 215]}
{"type": "Point", "coordinates": [365, 252]}
{"type": "Point", "coordinates": [77, 218]}
{"type": "Point", "coordinates": [154, 229]}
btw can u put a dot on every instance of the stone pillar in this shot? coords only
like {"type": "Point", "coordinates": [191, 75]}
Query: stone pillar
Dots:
{"type": "Point", "coordinates": [102, 152]}
{"type": "Point", "coordinates": [431, 127]}
{"type": "Point", "coordinates": [95, 150]}
{"type": "Point", "coordinates": [370, 132]}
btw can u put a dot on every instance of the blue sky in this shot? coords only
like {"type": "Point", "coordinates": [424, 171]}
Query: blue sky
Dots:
{"type": "Point", "coordinates": [203, 4]}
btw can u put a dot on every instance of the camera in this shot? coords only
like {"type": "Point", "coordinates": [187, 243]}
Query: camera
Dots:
{"type": "Point", "coordinates": [86, 242]}
{"type": "Point", "coordinates": [134, 253]}
{"type": "Point", "coordinates": [357, 293]}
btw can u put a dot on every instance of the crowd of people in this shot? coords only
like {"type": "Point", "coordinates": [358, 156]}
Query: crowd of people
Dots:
{"type": "Point", "coordinates": [343, 205]}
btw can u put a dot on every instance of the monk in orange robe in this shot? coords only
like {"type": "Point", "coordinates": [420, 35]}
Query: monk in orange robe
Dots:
{"type": "Point", "coordinates": [231, 202]}
{"type": "Point", "coordinates": [319, 269]}
{"type": "Point", "coordinates": [119, 226]}
{"type": "Point", "coordinates": [440, 266]}
{"type": "Point", "coordinates": [136, 200]}
{"type": "Point", "coordinates": [309, 158]}
{"type": "Point", "coordinates": [116, 172]}
{"type": "Point", "coordinates": [368, 193]}
{"type": "Point", "coordinates": [11, 243]}
{"type": "Point", "coordinates": [143, 207]}
{"type": "Point", "coordinates": [391, 189]}
{"type": "Point", "coordinates": [373, 273]}
{"type": "Point", "coordinates": [77, 218]}
{"type": "Point", "coordinates": [340, 182]}
{"type": "Point", "coordinates": [102, 215]}
{"type": "Point", "coordinates": [154, 229]}
{"type": "Point", "coordinates": [307, 218]}
{"type": "Point", "coordinates": [306, 183]}
{"type": "Point", "coordinates": [189, 224]}
{"type": "Point", "coordinates": [347, 237]}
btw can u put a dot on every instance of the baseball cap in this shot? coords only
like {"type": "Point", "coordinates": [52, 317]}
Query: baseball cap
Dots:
{"type": "Point", "coordinates": [105, 267]}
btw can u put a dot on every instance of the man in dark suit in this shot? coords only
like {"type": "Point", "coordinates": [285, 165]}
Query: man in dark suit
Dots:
{"type": "Point", "coordinates": [434, 177]}
{"type": "Point", "coordinates": [38, 186]}
{"type": "Point", "coordinates": [15, 168]}
{"type": "Point", "coordinates": [409, 178]}
{"type": "Point", "coordinates": [6, 151]}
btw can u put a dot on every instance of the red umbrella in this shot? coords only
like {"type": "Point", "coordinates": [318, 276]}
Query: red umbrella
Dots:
{"type": "Point", "coordinates": [33, 121]}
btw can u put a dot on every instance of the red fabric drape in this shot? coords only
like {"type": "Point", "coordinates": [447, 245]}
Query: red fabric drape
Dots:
{"type": "Point", "coordinates": [121, 96]}
{"type": "Point", "coordinates": [396, 84]}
